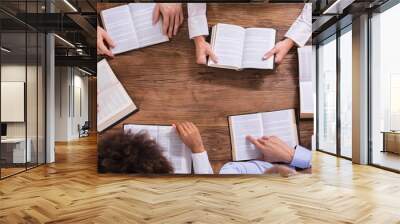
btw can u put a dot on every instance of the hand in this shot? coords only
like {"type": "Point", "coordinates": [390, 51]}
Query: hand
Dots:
{"type": "Point", "coordinates": [282, 170]}
{"type": "Point", "coordinates": [172, 17]}
{"type": "Point", "coordinates": [203, 49]}
{"type": "Point", "coordinates": [104, 39]}
{"type": "Point", "coordinates": [273, 149]}
{"type": "Point", "coordinates": [190, 135]}
{"type": "Point", "coordinates": [280, 50]}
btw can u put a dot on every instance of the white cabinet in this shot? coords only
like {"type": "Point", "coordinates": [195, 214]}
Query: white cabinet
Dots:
{"type": "Point", "coordinates": [18, 149]}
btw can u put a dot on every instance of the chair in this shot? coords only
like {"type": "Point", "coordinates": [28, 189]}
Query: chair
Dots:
{"type": "Point", "coordinates": [84, 130]}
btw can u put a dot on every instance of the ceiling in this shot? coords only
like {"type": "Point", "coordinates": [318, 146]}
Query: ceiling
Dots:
{"type": "Point", "coordinates": [72, 20]}
{"type": "Point", "coordinates": [39, 6]}
{"type": "Point", "coordinates": [331, 15]}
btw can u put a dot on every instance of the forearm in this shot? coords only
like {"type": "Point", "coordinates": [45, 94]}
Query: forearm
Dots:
{"type": "Point", "coordinates": [197, 19]}
{"type": "Point", "coordinates": [301, 158]}
{"type": "Point", "coordinates": [300, 31]}
{"type": "Point", "coordinates": [201, 164]}
{"type": "Point", "coordinates": [199, 40]}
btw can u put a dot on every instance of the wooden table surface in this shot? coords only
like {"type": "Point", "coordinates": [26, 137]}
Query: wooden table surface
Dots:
{"type": "Point", "coordinates": [168, 86]}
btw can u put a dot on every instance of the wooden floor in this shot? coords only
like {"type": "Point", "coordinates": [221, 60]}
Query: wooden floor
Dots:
{"type": "Point", "coordinates": [10, 171]}
{"type": "Point", "coordinates": [387, 159]}
{"type": "Point", "coordinates": [71, 191]}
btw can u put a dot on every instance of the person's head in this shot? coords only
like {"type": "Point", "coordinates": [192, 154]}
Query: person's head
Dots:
{"type": "Point", "coordinates": [121, 152]}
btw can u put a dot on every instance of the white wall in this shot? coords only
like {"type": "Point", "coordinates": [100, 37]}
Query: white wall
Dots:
{"type": "Point", "coordinates": [80, 110]}
{"type": "Point", "coordinates": [33, 126]}
{"type": "Point", "coordinates": [62, 81]}
{"type": "Point", "coordinates": [12, 73]}
{"type": "Point", "coordinates": [69, 82]}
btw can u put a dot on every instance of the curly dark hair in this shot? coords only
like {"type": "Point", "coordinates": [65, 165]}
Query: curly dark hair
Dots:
{"type": "Point", "coordinates": [121, 152]}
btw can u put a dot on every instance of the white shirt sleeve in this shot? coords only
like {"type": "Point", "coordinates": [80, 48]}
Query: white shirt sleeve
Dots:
{"type": "Point", "coordinates": [201, 164]}
{"type": "Point", "coordinates": [197, 19]}
{"type": "Point", "coordinates": [301, 29]}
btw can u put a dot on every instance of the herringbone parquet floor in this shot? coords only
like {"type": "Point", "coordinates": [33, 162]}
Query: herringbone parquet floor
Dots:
{"type": "Point", "coordinates": [71, 191]}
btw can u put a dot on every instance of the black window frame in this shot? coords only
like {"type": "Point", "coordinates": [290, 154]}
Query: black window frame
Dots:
{"type": "Point", "coordinates": [341, 27]}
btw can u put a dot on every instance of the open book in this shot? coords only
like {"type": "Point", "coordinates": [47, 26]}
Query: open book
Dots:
{"type": "Point", "coordinates": [281, 124]}
{"type": "Point", "coordinates": [131, 26]}
{"type": "Point", "coordinates": [113, 102]}
{"type": "Point", "coordinates": [239, 48]}
{"type": "Point", "coordinates": [305, 82]}
{"type": "Point", "coordinates": [173, 148]}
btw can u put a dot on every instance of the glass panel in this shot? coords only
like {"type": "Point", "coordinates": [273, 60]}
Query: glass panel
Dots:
{"type": "Point", "coordinates": [31, 99]}
{"type": "Point", "coordinates": [41, 99]}
{"type": "Point", "coordinates": [327, 96]}
{"type": "Point", "coordinates": [23, 89]}
{"type": "Point", "coordinates": [41, 111]}
{"type": "Point", "coordinates": [13, 87]}
{"type": "Point", "coordinates": [32, 89]}
{"type": "Point", "coordinates": [385, 89]}
{"type": "Point", "coordinates": [346, 94]}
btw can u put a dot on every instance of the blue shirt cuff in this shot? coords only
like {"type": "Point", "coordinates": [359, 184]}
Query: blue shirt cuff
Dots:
{"type": "Point", "coordinates": [301, 158]}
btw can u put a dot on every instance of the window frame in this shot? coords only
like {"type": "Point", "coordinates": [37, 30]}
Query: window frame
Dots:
{"type": "Point", "coordinates": [333, 37]}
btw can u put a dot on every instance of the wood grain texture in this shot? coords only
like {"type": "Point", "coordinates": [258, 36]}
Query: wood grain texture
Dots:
{"type": "Point", "coordinates": [71, 191]}
{"type": "Point", "coordinates": [168, 86]}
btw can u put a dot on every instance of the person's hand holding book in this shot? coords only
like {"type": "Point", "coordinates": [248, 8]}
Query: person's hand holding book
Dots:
{"type": "Point", "coordinates": [190, 135]}
{"type": "Point", "coordinates": [203, 49]}
{"type": "Point", "coordinates": [104, 43]}
{"type": "Point", "coordinates": [280, 50]}
{"type": "Point", "coordinates": [172, 16]}
{"type": "Point", "coordinates": [273, 149]}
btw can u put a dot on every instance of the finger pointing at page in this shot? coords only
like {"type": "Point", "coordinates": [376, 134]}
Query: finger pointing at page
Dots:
{"type": "Point", "coordinates": [269, 54]}
{"type": "Point", "coordinates": [254, 141]}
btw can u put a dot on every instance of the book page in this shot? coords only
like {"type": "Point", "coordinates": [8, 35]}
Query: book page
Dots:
{"type": "Point", "coordinates": [119, 25]}
{"type": "Point", "coordinates": [163, 138]}
{"type": "Point", "coordinates": [147, 33]}
{"type": "Point", "coordinates": [174, 150]}
{"type": "Point", "coordinates": [242, 126]}
{"type": "Point", "coordinates": [178, 154]}
{"type": "Point", "coordinates": [113, 101]}
{"type": "Point", "coordinates": [305, 81]}
{"type": "Point", "coordinates": [306, 98]}
{"type": "Point", "coordinates": [281, 124]}
{"type": "Point", "coordinates": [305, 63]}
{"type": "Point", "coordinates": [228, 45]}
{"type": "Point", "coordinates": [258, 41]}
